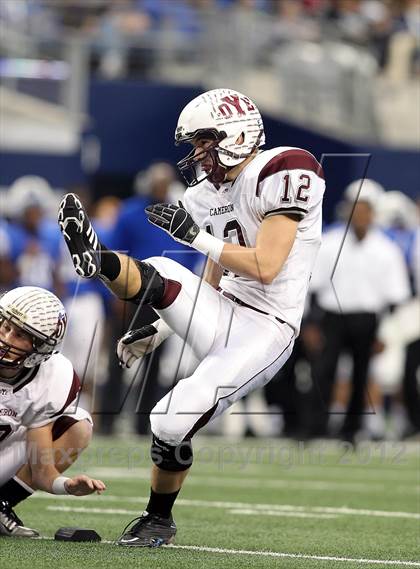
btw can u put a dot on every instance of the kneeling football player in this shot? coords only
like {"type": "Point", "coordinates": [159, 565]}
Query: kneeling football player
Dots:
{"type": "Point", "coordinates": [42, 431]}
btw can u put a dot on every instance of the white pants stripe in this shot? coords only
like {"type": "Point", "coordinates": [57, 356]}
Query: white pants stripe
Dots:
{"type": "Point", "coordinates": [258, 380]}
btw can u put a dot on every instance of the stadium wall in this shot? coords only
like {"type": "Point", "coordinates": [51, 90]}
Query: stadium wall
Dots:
{"type": "Point", "coordinates": [134, 123]}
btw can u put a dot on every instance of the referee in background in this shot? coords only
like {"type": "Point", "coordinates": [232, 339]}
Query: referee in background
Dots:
{"type": "Point", "coordinates": [359, 274]}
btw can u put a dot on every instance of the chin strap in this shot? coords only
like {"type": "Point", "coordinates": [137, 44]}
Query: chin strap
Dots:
{"type": "Point", "coordinates": [219, 175]}
{"type": "Point", "coordinates": [21, 375]}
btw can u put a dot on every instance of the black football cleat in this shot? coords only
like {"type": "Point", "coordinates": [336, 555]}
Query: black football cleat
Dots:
{"type": "Point", "coordinates": [150, 530]}
{"type": "Point", "coordinates": [80, 237]}
{"type": "Point", "coordinates": [11, 525]}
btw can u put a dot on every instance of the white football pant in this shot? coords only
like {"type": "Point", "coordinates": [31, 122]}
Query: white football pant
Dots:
{"type": "Point", "coordinates": [239, 350]}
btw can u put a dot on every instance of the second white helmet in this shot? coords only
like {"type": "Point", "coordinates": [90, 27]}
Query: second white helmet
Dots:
{"type": "Point", "coordinates": [41, 315]}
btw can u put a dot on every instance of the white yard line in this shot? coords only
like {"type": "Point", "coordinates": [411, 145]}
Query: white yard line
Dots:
{"type": "Point", "coordinates": [296, 555]}
{"type": "Point", "coordinates": [243, 505]}
{"type": "Point", "coordinates": [330, 445]}
{"type": "Point", "coordinates": [118, 511]}
{"type": "Point", "coordinates": [278, 554]}
{"type": "Point", "coordinates": [305, 470]}
{"type": "Point", "coordinates": [233, 482]}
{"type": "Point", "coordinates": [296, 473]}
{"type": "Point", "coordinates": [279, 513]}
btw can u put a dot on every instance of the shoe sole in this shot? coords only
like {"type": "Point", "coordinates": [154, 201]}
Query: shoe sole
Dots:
{"type": "Point", "coordinates": [150, 545]}
{"type": "Point", "coordinates": [32, 534]}
{"type": "Point", "coordinates": [71, 218]}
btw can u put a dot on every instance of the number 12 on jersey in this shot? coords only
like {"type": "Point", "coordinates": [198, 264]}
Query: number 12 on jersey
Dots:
{"type": "Point", "coordinates": [300, 196]}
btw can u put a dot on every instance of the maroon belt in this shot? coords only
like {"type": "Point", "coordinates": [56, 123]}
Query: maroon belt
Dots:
{"type": "Point", "coordinates": [242, 303]}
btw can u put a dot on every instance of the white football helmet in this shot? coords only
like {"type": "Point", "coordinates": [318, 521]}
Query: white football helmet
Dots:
{"type": "Point", "coordinates": [229, 118]}
{"type": "Point", "coordinates": [40, 314]}
{"type": "Point", "coordinates": [29, 191]}
{"type": "Point", "coordinates": [364, 190]}
{"type": "Point", "coordinates": [397, 210]}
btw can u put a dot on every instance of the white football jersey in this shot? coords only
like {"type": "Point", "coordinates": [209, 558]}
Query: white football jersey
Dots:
{"type": "Point", "coordinates": [278, 181]}
{"type": "Point", "coordinates": [38, 397]}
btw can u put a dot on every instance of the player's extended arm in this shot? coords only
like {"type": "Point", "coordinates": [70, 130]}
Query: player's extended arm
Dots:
{"type": "Point", "coordinates": [42, 461]}
{"type": "Point", "coordinates": [263, 262]}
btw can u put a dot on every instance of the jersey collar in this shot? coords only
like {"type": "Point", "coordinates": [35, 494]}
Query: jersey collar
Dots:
{"type": "Point", "coordinates": [22, 379]}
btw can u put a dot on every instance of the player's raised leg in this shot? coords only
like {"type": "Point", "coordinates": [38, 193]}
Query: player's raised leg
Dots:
{"type": "Point", "coordinates": [129, 279]}
{"type": "Point", "coordinates": [181, 298]}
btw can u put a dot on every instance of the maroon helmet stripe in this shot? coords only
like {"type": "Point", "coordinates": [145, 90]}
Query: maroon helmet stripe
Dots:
{"type": "Point", "coordinates": [290, 160]}
{"type": "Point", "coordinates": [74, 390]}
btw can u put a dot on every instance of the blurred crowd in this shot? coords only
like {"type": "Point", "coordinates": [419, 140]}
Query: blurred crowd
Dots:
{"type": "Point", "coordinates": [354, 371]}
{"type": "Point", "coordinates": [126, 35]}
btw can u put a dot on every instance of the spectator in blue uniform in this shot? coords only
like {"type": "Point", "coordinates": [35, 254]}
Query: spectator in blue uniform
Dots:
{"type": "Point", "coordinates": [34, 237]}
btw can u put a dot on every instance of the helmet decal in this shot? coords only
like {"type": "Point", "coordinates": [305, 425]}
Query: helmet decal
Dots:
{"type": "Point", "coordinates": [234, 101]}
{"type": "Point", "coordinates": [61, 326]}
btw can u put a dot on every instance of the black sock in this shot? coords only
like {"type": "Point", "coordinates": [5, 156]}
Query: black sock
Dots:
{"type": "Point", "coordinates": [110, 263]}
{"type": "Point", "coordinates": [161, 503]}
{"type": "Point", "coordinates": [14, 492]}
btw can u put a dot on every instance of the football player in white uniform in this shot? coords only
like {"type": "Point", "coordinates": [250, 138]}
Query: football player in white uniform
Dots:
{"type": "Point", "coordinates": [42, 431]}
{"type": "Point", "coordinates": [257, 216]}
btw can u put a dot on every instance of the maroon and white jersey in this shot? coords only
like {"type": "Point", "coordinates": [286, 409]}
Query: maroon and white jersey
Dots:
{"type": "Point", "coordinates": [38, 397]}
{"type": "Point", "coordinates": [282, 180]}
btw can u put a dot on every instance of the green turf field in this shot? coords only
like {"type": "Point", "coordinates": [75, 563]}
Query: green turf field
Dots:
{"type": "Point", "coordinates": [257, 503]}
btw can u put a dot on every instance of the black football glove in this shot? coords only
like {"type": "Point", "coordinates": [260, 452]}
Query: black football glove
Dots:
{"type": "Point", "coordinates": [137, 343]}
{"type": "Point", "coordinates": [175, 220]}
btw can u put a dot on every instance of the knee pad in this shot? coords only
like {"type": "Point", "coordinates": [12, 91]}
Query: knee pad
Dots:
{"type": "Point", "coordinates": [155, 289]}
{"type": "Point", "coordinates": [171, 458]}
{"type": "Point", "coordinates": [152, 285]}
